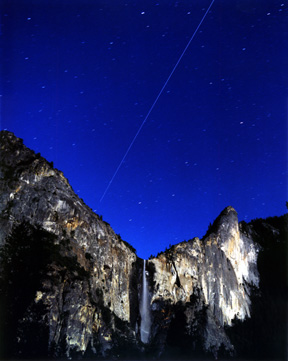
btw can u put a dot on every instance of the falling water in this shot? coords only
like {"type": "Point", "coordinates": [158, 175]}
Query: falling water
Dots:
{"type": "Point", "coordinates": [144, 309]}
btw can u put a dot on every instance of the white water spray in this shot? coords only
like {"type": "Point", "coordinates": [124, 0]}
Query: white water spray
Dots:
{"type": "Point", "coordinates": [145, 309]}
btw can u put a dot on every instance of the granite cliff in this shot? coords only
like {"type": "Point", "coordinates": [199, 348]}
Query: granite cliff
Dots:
{"type": "Point", "coordinates": [72, 288]}
{"type": "Point", "coordinates": [217, 271]}
{"type": "Point", "coordinates": [32, 191]}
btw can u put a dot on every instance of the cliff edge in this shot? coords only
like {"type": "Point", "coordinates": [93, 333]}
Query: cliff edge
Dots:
{"type": "Point", "coordinates": [72, 288]}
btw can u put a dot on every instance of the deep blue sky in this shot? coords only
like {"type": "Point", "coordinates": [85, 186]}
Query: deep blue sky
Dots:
{"type": "Point", "coordinates": [79, 77]}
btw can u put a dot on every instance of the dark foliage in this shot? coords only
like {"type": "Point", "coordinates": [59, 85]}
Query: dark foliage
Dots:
{"type": "Point", "coordinates": [186, 341]}
{"type": "Point", "coordinates": [126, 244]}
{"type": "Point", "coordinates": [264, 335]}
{"type": "Point", "coordinates": [26, 258]}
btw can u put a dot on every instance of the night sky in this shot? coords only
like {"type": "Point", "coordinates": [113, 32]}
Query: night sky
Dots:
{"type": "Point", "coordinates": [78, 79]}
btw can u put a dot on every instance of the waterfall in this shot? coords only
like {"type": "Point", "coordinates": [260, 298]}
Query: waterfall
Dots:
{"type": "Point", "coordinates": [145, 309]}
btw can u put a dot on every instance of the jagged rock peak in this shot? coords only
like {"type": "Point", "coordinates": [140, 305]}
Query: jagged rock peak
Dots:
{"type": "Point", "coordinates": [8, 136]}
{"type": "Point", "coordinates": [93, 284]}
{"type": "Point", "coordinates": [216, 270]}
{"type": "Point", "coordinates": [227, 217]}
{"type": "Point", "coordinates": [13, 151]}
{"type": "Point", "coordinates": [16, 159]}
{"type": "Point", "coordinates": [228, 209]}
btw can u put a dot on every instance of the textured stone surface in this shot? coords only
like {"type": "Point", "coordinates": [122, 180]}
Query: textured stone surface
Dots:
{"type": "Point", "coordinates": [33, 191]}
{"type": "Point", "coordinates": [220, 267]}
{"type": "Point", "coordinates": [88, 300]}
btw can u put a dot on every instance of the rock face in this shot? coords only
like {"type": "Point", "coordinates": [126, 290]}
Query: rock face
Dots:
{"type": "Point", "coordinates": [218, 270]}
{"type": "Point", "coordinates": [34, 192]}
{"type": "Point", "coordinates": [71, 286]}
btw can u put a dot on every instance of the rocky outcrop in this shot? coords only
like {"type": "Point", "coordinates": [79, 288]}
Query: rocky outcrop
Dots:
{"type": "Point", "coordinates": [35, 192]}
{"type": "Point", "coordinates": [219, 269]}
{"type": "Point", "coordinates": [70, 285]}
